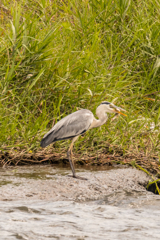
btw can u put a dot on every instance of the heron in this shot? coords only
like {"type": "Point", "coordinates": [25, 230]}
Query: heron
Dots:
{"type": "Point", "coordinates": [76, 124]}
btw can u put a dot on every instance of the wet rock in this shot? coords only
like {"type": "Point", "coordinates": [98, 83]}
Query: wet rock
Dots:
{"type": "Point", "coordinates": [55, 184]}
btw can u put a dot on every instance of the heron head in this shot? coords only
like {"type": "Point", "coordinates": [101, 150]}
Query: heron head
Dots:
{"type": "Point", "coordinates": [111, 108]}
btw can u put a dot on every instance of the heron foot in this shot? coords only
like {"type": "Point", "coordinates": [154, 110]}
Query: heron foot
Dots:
{"type": "Point", "coordinates": [81, 178]}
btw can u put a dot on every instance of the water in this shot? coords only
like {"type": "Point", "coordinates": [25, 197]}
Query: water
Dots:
{"type": "Point", "coordinates": [119, 215]}
{"type": "Point", "coordinates": [70, 220]}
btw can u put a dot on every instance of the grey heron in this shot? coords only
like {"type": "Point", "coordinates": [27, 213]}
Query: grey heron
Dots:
{"type": "Point", "coordinates": [77, 123]}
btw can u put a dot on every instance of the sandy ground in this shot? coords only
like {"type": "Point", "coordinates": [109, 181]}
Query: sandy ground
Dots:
{"type": "Point", "coordinates": [51, 183]}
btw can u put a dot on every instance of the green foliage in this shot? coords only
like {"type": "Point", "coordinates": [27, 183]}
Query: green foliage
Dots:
{"type": "Point", "coordinates": [57, 56]}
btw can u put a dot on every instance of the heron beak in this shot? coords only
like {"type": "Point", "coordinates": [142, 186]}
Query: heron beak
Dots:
{"type": "Point", "coordinates": [117, 111]}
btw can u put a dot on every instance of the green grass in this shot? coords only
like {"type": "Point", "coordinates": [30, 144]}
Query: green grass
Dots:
{"type": "Point", "coordinates": [59, 56]}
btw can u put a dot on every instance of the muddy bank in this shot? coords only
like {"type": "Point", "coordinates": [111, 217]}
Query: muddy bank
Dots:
{"type": "Point", "coordinates": [52, 183]}
{"type": "Point", "coordinates": [18, 157]}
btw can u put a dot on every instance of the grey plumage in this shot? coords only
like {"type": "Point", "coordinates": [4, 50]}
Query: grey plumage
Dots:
{"type": "Point", "coordinates": [70, 126]}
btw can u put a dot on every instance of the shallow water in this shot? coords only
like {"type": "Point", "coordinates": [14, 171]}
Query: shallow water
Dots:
{"type": "Point", "coordinates": [70, 220]}
{"type": "Point", "coordinates": [119, 215]}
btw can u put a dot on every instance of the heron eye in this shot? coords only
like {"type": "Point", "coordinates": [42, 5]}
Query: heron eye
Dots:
{"type": "Point", "coordinates": [111, 106]}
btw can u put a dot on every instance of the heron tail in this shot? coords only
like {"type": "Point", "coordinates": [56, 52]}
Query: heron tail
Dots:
{"type": "Point", "coordinates": [43, 143]}
{"type": "Point", "coordinates": [46, 140]}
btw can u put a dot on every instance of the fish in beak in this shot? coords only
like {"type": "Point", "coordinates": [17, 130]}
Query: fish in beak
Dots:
{"type": "Point", "coordinates": [118, 110]}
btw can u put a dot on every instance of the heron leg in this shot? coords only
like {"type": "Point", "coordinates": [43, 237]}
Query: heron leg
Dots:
{"type": "Point", "coordinates": [69, 155]}
{"type": "Point", "coordinates": [71, 162]}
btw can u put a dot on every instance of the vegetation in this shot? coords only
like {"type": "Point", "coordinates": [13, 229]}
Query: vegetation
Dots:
{"type": "Point", "coordinates": [60, 56]}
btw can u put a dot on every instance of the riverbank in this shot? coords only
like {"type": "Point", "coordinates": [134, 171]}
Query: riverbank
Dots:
{"type": "Point", "coordinates": [52, 183]}
{"type": "Point", "coordinates": [102, 157]}
{"type": "Point", "coordinates": [56, 61]}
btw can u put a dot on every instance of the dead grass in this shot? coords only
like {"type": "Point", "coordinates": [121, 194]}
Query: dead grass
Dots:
{"type": "Point", "coordinates": [101, 157]}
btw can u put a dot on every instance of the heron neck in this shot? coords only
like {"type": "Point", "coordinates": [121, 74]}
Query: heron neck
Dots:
{"type": "Point", "coordinates": [102, 117]}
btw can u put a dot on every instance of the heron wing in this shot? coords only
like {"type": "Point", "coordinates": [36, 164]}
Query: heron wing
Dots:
{"type": "Point", "coordinates": [70, 126]}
